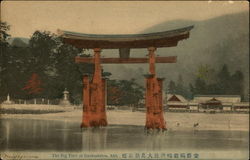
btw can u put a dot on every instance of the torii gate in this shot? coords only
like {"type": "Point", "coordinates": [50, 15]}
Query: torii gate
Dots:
{"type": "Point", "coordinates": [94, 113]}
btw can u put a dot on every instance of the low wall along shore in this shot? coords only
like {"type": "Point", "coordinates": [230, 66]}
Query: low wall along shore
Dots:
{"type": "Point", "coordinates": [32, 108]}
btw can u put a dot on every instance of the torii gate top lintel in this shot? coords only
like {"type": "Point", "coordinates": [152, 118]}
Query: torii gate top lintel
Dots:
{"type": "Point", "coordinates": [116, 41]}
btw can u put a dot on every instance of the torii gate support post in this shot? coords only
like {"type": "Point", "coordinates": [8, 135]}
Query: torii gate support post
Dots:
{"type": "Point", "coordinates": [86, 107]}
{"type": "Point", "coordinates": [94, 112]}
{"type": "Point", "coordinates": [154, 106]}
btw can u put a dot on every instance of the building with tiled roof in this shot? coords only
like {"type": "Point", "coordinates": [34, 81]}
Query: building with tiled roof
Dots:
{"type": "Point", "coordinates": [205, 103]}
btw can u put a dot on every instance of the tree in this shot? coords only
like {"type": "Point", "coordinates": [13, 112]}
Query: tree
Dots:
{"type": "Point", "coordinates": [206, 73]}
{"type": "Point", "coordinates": [33, 86]}
{"type": "Point", "coordinates": [171, 87]}
{"type": "Point", "coordinates": [114, 92]}
{"type": "Point", "coordinates": [4, 59]}
{"type": "Point", "coordinates": [18, 70]}
{"type": "Point", "coordinates": [39, 61]}
{"type": "Point", "coordinates": [68, 74]}
{"type": "Point", "coordinates": [180, 88]}
{"type": "Point", "coordinates": [237, 83]}
{"type": "Point", "coordinates": [224, 80]}
{"type": "Point", "coordinates": [223, 83]}
{"type": "Point", "coordinates": [192, 90]}
{"type": "Point", "coordinates": [199, 87]}
{"type": "Point", "coordinates": [124, 92]}
{"type": "Point", "coordinates": [205, 81]}
{"type": "Point", "coordinates": [43, 46]}
{"type": "Point", "coordinates": [4, 28]}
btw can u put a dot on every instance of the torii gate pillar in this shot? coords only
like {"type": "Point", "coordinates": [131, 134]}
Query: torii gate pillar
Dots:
{"type": "Point", "coordinates": [154, 106]}
{"type": "Point", "coordinates": [94, 113]}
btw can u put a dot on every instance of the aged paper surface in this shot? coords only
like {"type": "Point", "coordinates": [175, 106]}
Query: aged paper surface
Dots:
{"type": "Point", "coordinates": [193, 105]}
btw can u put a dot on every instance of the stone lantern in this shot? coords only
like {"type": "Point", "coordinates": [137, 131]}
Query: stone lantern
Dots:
{"type": "Point", "coordinates": [65, 100]}
{"type": "Point", "coordinates": [65, 95]}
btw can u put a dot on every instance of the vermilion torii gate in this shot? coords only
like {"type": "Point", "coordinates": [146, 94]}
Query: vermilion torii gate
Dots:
{"type": "Point", "coordinates": [94, 113]}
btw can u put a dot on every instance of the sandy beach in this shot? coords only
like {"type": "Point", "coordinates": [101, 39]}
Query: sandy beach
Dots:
{"type": "Point", "coordinates": [185, 121]}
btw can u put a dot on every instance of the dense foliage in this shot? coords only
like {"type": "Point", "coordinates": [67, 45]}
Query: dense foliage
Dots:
{"type": "Point", "coordinates": [123, 92]}
{"type": "Point", "coordinates": [45, 67]}
{"type": "Point", "coordinates": [208, 81]}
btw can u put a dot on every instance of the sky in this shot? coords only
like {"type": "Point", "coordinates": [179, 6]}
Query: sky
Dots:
{"type": "Point", "coordinates": [107, 17]}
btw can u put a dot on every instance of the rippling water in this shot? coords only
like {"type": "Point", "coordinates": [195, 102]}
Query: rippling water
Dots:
{"type": "Point", "coordinates": [41, 135]}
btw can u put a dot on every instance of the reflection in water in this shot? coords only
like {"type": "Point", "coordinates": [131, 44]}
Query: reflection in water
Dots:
{"type": "Point", "coordinates": [154, 140]}
{"type": "Point", "coordinates": [35, 135]}
{"type": "Point", "coordinates": [7, 133]}
{"type": "Point", "coordinates": [94, 139]}
{"type": "Point", "coordinates": [34, 129]}
{"type": "Point", "coordinates": [65, 134]}
{"type": "Point", "coordinates": [46, 132]}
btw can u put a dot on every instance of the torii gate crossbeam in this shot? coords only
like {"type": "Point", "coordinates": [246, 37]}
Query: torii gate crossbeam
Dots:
{"type": "Point", "coordinates": [170, 59]}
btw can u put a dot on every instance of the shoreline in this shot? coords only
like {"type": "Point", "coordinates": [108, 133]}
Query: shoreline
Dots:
{"type": "Point", "coordinates": [175, 120]}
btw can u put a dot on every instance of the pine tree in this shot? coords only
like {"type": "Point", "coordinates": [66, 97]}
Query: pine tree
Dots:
{"type": "Point", "coordinates": [192, 91]}
{"type": "Point", "coordinates": [171, 87]}
{"type": "Point", "coordinates": [224, 81]}
{"type": "Point", "coordinates": [237, 85]}
{"type": "Point", "coordinates": [180, 89]}
{"type": "Point", "coordinates": [4, 59]}
{"type": "Point", "coordinates": [200, 86]}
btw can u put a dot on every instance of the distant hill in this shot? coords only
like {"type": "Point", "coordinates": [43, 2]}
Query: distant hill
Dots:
{"type": "Point", "coordinates": [216, 41]}
{"type": "Point", "coordinates": [18, 41]}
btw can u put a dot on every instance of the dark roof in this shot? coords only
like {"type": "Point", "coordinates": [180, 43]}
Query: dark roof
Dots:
{"type": "Point", "coordinates": [105, 41]}
{"type": "Point", "coordinates": [213, 101]}
{"type": "Point", "coordinates": [174, 98]}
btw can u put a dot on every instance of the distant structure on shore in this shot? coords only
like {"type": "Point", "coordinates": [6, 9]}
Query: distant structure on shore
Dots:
{"type": "Point", "coordinates": [8, 101]}
{"type": "Point", "coordinates": [206, 103]}
{"type": "Point", "coordinates": [65, 100]}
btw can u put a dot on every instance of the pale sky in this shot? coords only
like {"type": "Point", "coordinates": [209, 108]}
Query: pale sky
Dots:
{"type": "Point", "coordinates": [107, 17]}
